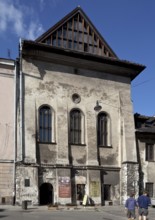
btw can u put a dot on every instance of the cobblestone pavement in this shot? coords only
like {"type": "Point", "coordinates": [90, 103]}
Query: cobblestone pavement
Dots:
{"type": "Point", "coordinates": [62, 212]}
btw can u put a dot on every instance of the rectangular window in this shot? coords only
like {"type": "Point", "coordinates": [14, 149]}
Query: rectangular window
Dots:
{"type": "Point", "coordinates": [149, 152]}
{"type": "Point", "coordinates": [27, 182]}
{"type": "Point", "coordinates": [149, 189]}
{"type": "Point", "coordinates": [102, 129]}
{"type": "Point", "coordinates": [45, 124]}
{"type": "Point", "coordinates": [75, 127]}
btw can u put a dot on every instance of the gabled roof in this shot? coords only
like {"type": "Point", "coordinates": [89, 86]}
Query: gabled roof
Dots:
{"type": "Point", "coordinates": [76, 32]}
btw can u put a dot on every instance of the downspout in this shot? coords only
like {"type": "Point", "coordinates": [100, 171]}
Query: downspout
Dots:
{"type": "Point", "coordinates": [15, 131]}
{"type": "Point", "coordinates": [21, 97]}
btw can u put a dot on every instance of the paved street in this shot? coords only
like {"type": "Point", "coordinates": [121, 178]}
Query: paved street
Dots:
{"type": "Point", "coordinates": [88, 213]}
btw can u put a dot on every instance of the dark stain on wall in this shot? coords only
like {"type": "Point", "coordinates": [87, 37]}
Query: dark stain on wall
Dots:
{"type": "Point", "coordinates": [82, 160]}
{"type": "Point", "coordinates": [46, 153]}
{"type": "Point", "coordinates": [110, 160]}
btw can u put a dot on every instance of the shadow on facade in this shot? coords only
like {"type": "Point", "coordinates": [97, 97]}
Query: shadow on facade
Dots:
{"type": "Point", "coordinates": [141, 173]}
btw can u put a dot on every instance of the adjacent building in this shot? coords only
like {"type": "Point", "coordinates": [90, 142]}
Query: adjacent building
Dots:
{"type": "Point", "coordinates": [7, 128]}
{"type": "Point", "coordinates": [145, 143]}
{"type": "Point", "coordinates": [75, 124]}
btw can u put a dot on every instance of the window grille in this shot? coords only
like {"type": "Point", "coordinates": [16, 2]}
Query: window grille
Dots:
{"type": "Point", "coordinates": [45, 122]}
{"type": "Point", "coordinates": [149, 152]}
{"type": "Point", "coordinates": [102, 129]}
{"type": "Point", "coordinates": [75, 127]}
{"type": "Point", "coordinates": [149, 189]}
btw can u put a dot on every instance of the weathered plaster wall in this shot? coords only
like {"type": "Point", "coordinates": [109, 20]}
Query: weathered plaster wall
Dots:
{"type": "Point", "coordinates": [52, 84]}
{"type": "Point", "coordinates": [7, 112]}
{"type": "Point", "coordinates": [28, 193]}
{"type": "Point", "coordinates": [6, 183]}
{"type": "Point", "coordinates": [146, 167]}
{"type": "Point", "coordinates": [113, 178]}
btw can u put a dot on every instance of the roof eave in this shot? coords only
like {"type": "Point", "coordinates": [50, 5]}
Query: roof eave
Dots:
{"type": "Point", "coordinates": [135, 68]}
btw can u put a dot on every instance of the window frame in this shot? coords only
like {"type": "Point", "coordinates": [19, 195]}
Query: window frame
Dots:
{"type": "Point", "coordinates": [76, 131]}
{"type": "Point", "coordinates": [149, 188]}
{"type": "Point", "coordinates": [51, 125]}
{"type": "Point", "coordinates": [149, 152]}
{"type": "Point", "coordinates": [103, 135]}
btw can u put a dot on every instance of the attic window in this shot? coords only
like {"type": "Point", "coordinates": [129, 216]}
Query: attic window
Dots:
{"type": "Point", "coordinates": [64, 32]}
{"type": "Point", "coordinates": [48, 41]}
{"type": "Point", "coordinates": [70, 24]}
{"type": "Point", "coordinates": [60, 33]}
{"type": "Point", "coordinates": [85, 47]}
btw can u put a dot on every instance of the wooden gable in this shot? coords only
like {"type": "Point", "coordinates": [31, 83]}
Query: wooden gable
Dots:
{"type": "Point", "coordinates": [76, 32]}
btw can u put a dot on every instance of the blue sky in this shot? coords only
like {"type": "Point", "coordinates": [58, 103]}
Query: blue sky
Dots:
{"type": "Point", "coordinates": [126, 25]}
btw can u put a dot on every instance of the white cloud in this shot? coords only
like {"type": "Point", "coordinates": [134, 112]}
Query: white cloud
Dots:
{"type": "Point", "coordinates": [34, 30]}
{"type": "Point", "coordinates": [42, 4]}
{"type": "Point", "coordinates": [17, 20]}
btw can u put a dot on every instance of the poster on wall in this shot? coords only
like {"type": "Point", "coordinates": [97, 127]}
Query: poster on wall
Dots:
{"type": "Point", "coordinates": [94, 189]}
{"type": "Point", "coordinates": [64, 187]}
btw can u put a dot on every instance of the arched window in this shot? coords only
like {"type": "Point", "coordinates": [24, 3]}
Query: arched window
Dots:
{"type": "Point", "coordinates": [76, 127]}
{"type": "Point", "coordinates": [103, 130]}
{"type": "Point", "coordinates": [45, 124]}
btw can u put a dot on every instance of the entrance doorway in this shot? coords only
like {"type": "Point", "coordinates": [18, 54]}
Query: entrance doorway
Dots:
{"type": "Point", "coordinates": [80, 191]}
{"type": "Point", "coordinates": [107, 194]}
{"type": "Point", "coordinates": [46, 194]}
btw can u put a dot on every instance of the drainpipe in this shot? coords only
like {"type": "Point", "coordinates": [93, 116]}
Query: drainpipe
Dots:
{"type": "Point", "coordinates": [21, 96]}
{"type": "Point", "coordinates": [15, 131]}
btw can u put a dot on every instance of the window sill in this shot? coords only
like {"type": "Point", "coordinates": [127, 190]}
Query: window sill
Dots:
{"type": "Point", "coordinates": [46, 142]}
{"type": "Point", "coordinates": [81, 145]}
{"type": "Point", "coordinates": [100, 146]}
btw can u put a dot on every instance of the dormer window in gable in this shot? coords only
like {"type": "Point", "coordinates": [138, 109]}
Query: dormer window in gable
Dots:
{"type": "Point", "coordinates": [54, 39]}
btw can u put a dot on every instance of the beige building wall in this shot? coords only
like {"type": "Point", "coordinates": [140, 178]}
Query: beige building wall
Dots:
{"type": "Point", "coordinates": [7, 155]}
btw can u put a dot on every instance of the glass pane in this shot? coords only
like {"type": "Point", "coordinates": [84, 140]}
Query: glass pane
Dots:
{"type": "Point", "coordinates": [60, 33]}
{"type": "Point", "coordinates": [65, 43]}
{"type": "Point", "coordinates": [54, 41]}
{"type": "Point", "coordinates": [64, 33]}
{"type": "Point", "coordinates": [75, 127]}
{"type": "Point", "coordinates": [45, 124]}
{"type": "Point", "coordinates": [70, 44]}
{"type": "Point", "coordinates": [59, 42]}
{"type": "Point", "coordinates": [102, 130]}
{"type": "Point", "coordinates": [70, 24]}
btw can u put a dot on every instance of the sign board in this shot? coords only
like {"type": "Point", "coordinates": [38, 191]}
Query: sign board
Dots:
{"type": "Point", "coordinates": [64, 187]}
{"type": "Point", "coordinates": [94, 189]}
{"type": "Point", "coordinates": [85, 199]}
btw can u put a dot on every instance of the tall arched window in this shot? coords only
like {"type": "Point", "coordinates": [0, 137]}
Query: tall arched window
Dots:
{"type": "Point", "coordinates": [76, 127]}
{"type": "Point", "coordinates": [45, 124]}
{"type": "Point", "coordinates": [103, 130]}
